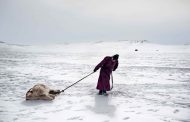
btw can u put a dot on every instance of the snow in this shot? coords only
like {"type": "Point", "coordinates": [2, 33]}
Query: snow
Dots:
{"type": "Point", "coordinates": [151, 84]}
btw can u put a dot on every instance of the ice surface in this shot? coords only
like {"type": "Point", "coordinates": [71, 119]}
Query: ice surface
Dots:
{"type": "Point", "coordinates": [151, 84]}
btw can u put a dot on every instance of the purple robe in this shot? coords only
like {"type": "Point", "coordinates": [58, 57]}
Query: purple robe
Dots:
{"type": "Point", "coordinates": [107, 65]}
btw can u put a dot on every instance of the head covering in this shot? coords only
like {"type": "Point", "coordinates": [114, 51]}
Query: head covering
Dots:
{"type": "Point", "coordinates": [115, 57]}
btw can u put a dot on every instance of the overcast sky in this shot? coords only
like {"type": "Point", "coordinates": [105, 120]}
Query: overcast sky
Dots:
{"type": "Point", "coordinates": [55, 21]}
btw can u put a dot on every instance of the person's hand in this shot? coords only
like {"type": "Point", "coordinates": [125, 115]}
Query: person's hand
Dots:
{"type": "Point", "coordinates": [95, 70]}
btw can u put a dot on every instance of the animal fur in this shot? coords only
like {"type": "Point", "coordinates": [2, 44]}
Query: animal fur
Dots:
{"type": "Point", "coordinates": [41, 92]}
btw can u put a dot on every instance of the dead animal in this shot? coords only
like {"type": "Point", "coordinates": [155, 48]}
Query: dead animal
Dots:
{"type": "Point", "coordinates": [41, 92]}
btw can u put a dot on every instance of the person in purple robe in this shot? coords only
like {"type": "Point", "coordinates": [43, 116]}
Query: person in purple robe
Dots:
{"type": "Point", "coordinates": [107, 65]}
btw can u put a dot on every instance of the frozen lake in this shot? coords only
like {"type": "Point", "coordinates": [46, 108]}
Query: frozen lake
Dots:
{"type": "Point", "coordinates": [151, 84]}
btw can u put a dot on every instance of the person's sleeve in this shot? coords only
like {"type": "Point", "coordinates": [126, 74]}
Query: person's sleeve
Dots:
{"type": "Point", "coordinates": [100, 64]}
{"type": "Point", "coordinates": [116, 65]}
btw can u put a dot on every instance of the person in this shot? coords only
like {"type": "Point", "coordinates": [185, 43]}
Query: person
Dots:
{"type": "Point", "coordinates": [107, 65]}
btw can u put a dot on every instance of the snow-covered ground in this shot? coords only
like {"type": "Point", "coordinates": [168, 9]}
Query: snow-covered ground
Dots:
{"type": "Point", "coordinates": [151, 84]}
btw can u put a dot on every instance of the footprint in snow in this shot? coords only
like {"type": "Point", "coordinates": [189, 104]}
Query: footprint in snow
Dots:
{"type": "Point", "coordinates": [106, 121]}
{"type": "Point", "coordinates": [126, 118]}
{"type": "Point", "coordinates": [75, 118]}
{"type": "Point", "coordinates": [69, 102]}
{"type": "Point", "coordinates": [68, 107]}
{"type": "Point", "coordinates": [153, 110]}
{"type": "Point", "coordinates": [129, 111]}
{"type": "Point", "coordinates": [176, 111]}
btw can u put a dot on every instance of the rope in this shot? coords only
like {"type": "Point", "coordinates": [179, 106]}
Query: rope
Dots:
{"type": "Point", "coordinates": [77, 82]}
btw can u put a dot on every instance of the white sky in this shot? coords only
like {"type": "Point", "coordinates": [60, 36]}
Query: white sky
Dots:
{"type": "Point", "coordinates": [41, 21]}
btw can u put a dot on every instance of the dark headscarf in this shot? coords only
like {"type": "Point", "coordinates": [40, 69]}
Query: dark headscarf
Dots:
{"type": "Point", "coordinates": [115, 57]}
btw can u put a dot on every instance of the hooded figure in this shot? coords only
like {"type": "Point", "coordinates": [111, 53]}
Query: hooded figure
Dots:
{"type": "Point", "coordinates": [107, 65]}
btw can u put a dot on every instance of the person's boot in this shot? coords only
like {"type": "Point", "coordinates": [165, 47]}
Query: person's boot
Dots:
{"type": "Point", "coordinates": [100, 92]}
{"type": "Point", "coordinates": [105, 93]}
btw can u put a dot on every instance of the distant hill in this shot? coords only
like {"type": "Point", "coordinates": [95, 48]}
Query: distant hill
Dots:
{"type": "Point", "coordinates": [135, 41]}
{"type": "Point", "coordinates": [2, 42]}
